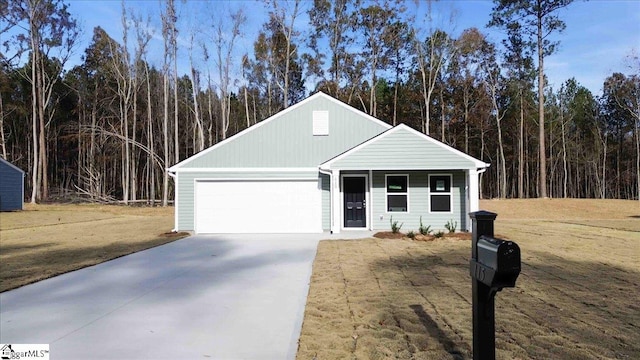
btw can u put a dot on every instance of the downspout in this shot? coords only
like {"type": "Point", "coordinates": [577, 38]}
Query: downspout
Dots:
{"type": "Point", "coordinates": [471, 183]}
{"type": "Point", "coordinates": [329, 173]}
{"type": "Point", "coordinates": [480, 172]}
{"type": "Point", "coordinates": [175, 200]}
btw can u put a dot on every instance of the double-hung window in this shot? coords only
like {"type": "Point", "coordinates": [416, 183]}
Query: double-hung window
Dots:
{"type": "Point", "coordinates": [440, 193]}
{"type": "Point", "coordinates": [397, 193]}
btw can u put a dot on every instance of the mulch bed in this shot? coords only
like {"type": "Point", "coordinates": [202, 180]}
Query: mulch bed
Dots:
{"type": "Point", "coordinates": [419, 237]}
{"type": "Point", "coordinates": [389, 235]}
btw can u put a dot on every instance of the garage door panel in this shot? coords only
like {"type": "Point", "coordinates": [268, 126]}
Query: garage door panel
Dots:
{"type": "Point", "coordinates": [257, 206]}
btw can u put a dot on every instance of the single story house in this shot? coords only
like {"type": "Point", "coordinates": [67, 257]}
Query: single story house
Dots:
{"type": "Point", "coordinates": [322, 165]}
{"type": "Point", "coordinates": [11, 186]}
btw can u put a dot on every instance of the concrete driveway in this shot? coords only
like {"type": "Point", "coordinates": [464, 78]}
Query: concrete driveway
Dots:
{"type": "Point", "coordinates": [209, 297]}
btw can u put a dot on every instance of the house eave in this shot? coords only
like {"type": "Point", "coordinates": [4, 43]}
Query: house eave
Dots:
{"type": "Point", "coordinates": [245, 169]}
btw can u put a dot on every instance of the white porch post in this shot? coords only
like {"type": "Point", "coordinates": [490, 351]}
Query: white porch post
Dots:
{"type": "Point", "coordinates": [336, 211]}
{"type": "Point", "coordinates": [370, 201]}
{"type": "Point", "coordinates": [474, 194]}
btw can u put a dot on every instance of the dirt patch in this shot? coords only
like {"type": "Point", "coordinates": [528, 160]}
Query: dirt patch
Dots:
{"type": "Point", "coordinates": [576, 297]}
{"type": "Point", "coordinates": [48, 240]}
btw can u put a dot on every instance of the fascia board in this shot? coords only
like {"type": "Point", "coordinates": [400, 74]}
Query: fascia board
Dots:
{"type": "Point", "coordinates": [244, 169]}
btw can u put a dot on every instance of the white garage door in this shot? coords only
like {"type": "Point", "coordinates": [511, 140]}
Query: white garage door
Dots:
{"type": "Point", "coordinates": [258, 207]}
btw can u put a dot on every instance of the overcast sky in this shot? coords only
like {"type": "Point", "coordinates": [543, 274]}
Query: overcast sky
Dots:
{"type": "Point", "coordinates": [600, 34]}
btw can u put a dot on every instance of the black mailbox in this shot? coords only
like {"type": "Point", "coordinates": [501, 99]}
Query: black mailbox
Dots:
{"type": "Point", "coordinates": [494, 265]}
{"type": "Point", "coordinates": [497, 264]}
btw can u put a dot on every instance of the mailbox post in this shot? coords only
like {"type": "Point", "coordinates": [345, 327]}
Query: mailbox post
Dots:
{"type": "Point", "coordinates": [494, 265]}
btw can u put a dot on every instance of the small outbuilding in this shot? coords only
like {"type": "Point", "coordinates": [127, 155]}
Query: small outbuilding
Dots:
{"type": "Point", "coordinates": [321, 165]}
{"type": "Point", "coordinates": [11, 186]}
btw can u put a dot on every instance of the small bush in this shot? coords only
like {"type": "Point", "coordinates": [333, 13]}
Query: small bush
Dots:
{"type": "Point", "coordinates": [395, 228]}
{"type": "Point", "coordinates": [439, 234]}
{"type": "Point", "coordinates": [424, 230]}
{"type": "Point", "coordinates": [411, 235]}
{"type": "Point", "coordinates": [451, 226]}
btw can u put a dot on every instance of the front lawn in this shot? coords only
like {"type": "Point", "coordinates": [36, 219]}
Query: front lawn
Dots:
{"type": "Point", "coordinates": [49, 240]}
{"type": "Point", "coordinates": [576, 297]}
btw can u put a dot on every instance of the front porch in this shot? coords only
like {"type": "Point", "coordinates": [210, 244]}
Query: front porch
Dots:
{"type": "Point", "coordinates": [369, 200]}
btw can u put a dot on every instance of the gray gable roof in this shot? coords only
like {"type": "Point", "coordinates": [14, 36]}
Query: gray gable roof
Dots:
{"type": "Point", "coordinates": [403, 148]}
{"type": "Point", "coordinates": [11, 166]}
{"type": "Point", "coordinates": [286, 140]}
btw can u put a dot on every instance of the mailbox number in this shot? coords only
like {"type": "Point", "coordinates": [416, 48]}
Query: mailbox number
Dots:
{"type": "Point", "coordinates": [480, 274]}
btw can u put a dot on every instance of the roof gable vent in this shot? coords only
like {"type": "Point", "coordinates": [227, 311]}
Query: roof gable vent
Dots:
{"type": "Point", "coordinates": [320, 123]}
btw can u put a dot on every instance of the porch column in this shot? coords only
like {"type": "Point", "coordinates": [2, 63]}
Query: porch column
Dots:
{"type": "Point", "coordinates": [473, 194]}
{"type": "Point", "coordinates": [336, 211]}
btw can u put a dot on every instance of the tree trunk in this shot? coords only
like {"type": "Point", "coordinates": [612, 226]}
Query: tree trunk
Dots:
{"type": "Point", "coordinates": [246, 107]}
{"type": "Point", "coordinates": [2, 140]}
{"type": "Point", "coordinates": [92, 145]}
{"type": "Point", "coordinates": [165, 130]}
{"type": "Point", "coordinates": [425, 94]}
{"type": "Point", "coordinates": [176, 141]}
{"type": "Point", "coordinates": [521, 150]}
{"type": "Point", "coordinates": [503, 167]}
{"type": "Point", "coordinates": [152, 186]}
{"type": "Point", "coordinates": [124, 113]}
{"type": "Point", "coordinates": [196, 111]}
{"type": "Point", "coordinates": [35, 184]}
{"type": "Point", "coordinates": [465, 99]}
{"type": "Point", "coordinates": [564, 155]}
{"type": "Point", "coordinates": [498, 117]}
{"type": "Point", "coordinates": [482, 146]}
{"type": "Point", "coordinates": [395, 100]}
{"type": "Point", "coordinates": [133, 172]}
{"type": "Point", "coordinates": [442, 116]}
{"type": "Point", "coordinates": [637, 133]}
{"type": "Point", "coordinates": [603, 185]}
{"type": "Point", "coordinates": [542, 179]}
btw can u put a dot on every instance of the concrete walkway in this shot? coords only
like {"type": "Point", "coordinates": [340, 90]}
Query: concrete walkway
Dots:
{"type": "Point", "coordinates": [203, 297]}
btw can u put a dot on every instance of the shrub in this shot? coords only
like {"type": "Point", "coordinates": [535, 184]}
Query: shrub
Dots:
{"type": "Point", "coordinates": [439, 234]}
{"type": "Point", "coordinates": [411, 235]}
{"type": "Point", "coordinates": [424, 230]}
{"type": "Point", "coordinates": [395, 228]}
{"type": "Point", "coordinates": [451, 226]}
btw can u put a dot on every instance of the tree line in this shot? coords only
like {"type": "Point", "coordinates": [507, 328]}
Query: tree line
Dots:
{"type": "Point", "coordinates": [106, 129]}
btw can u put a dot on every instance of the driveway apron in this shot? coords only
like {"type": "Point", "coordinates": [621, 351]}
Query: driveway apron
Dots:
{"type": "Point", "coordinates": [203, 297]}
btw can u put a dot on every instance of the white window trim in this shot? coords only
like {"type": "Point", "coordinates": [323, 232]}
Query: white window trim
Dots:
{"type": "Point", "coordinates": [386, 195]}
{"type": "Point", "coordinates": [450, 193]}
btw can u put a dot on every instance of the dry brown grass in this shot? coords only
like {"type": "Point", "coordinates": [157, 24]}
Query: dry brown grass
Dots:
{"type": "Point", "coordinates": [576, 298]}
{"type": "Point", "coordinates": [48, 240]}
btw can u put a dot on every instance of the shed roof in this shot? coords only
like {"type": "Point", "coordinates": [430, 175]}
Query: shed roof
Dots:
{"type": "Point", "coordinates": [11, 165]}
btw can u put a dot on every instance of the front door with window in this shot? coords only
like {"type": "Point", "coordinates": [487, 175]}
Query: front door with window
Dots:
{"type": "Point", "coordinates": [355, 206]}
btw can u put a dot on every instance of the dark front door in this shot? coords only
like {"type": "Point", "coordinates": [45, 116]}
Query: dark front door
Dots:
{"type": "Point", "coordinates": [355, 206]}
